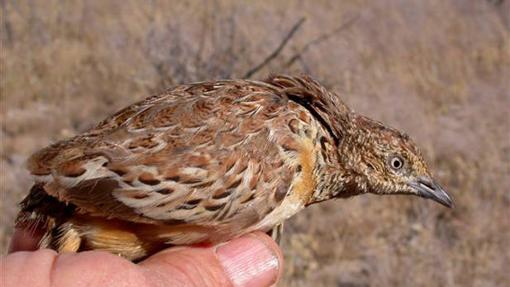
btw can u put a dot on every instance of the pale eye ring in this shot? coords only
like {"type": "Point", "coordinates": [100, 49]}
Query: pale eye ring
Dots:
{"type": "Point", "coordinates": [396, 162]}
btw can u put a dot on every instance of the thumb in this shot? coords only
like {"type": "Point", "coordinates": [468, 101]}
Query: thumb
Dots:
{"type": "Point", "coordinates": [251, 260]}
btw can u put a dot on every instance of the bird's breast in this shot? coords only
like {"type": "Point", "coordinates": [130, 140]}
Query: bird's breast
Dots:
{"type": "Point", "coordinates": [301, 189]}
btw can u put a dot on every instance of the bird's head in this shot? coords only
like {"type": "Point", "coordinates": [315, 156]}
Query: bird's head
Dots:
{"type": "Point", "coordinates": [386, 161]}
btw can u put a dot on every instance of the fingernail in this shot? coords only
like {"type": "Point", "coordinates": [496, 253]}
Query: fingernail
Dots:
{"type": "Point", "coordinates": [249, 262]}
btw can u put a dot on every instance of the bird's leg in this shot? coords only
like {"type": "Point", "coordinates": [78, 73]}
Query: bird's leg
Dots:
{"type": "Point", "coordinates": [276, 233]}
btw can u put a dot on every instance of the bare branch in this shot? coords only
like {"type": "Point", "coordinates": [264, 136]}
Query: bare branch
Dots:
{"type": "Point", "coordinates": [321, 39]}
{"type": "Point", "coordinates": [277, 51]}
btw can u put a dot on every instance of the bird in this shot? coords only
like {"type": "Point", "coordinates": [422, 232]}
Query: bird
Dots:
{"type": "Point", "coordinates": [207, 162]}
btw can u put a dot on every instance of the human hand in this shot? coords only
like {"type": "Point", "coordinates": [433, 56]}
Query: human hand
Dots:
{"type": "Point", "coordinates": [251, 260]}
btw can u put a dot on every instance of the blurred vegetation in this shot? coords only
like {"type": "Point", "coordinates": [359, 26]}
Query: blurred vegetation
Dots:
{"type": "Point", "coordinates": [437, 69]}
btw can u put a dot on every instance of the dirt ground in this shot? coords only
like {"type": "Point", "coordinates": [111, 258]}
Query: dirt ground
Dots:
{"type": "Point", "coordinates": [438, 69]}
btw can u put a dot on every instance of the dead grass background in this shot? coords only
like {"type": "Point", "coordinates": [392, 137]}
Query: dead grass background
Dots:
{"type": "Point", "coordinates": [437, 69]}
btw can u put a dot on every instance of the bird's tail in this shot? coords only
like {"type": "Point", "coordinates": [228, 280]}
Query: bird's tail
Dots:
{"type": "Point", "coordinates": [42, 213]}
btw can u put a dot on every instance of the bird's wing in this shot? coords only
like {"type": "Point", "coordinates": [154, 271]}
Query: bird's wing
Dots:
{"type": "Point", "coordinates": [201, 154]}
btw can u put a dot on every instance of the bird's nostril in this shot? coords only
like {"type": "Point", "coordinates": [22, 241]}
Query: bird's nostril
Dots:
{"type": "Point", "coordinates": [426, 183]}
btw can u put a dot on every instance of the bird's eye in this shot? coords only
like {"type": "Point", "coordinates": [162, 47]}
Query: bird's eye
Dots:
{"type": "Point", "coordinates": [396, 162]}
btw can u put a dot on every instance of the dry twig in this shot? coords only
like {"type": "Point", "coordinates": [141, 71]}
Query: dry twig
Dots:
{"type": "Point", "coordinates": [321, 39]}
{"type": "Point", "coordinates": [277, 51]}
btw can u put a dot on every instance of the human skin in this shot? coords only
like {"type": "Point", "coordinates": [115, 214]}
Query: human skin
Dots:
{"type": "Point", "coordinates": [251, 260]}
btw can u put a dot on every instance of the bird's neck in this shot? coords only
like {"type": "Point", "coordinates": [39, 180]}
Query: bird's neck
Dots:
{"type": "Point", "coordinates": [335, 183]}
{"type": "Point", "coordinates": [336, 176]}
{"type": "Point", "coordinates": [335, 180]}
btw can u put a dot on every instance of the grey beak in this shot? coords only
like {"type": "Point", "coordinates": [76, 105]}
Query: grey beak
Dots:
{"type": "Point", "coordinates": [427, 188]}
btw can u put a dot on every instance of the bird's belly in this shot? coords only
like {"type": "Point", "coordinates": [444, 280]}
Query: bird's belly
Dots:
{"type": "Point", "coordinates": [137, 240]}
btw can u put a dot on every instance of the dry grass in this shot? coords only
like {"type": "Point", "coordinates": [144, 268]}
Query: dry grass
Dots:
{"type": "Point", "coordinates": [437, 69]}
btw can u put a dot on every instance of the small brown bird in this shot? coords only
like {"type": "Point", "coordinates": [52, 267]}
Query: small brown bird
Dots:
{"type": "Point", "coordinates": [210, 161]}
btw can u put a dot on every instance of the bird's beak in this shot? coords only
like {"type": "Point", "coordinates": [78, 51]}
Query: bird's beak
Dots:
{"type": "Point", "coordinates": [427, 188]}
